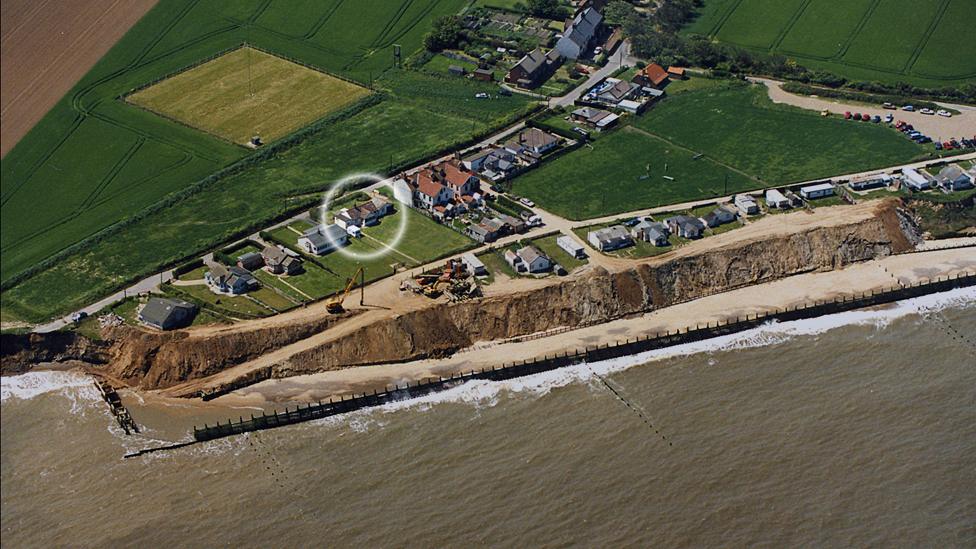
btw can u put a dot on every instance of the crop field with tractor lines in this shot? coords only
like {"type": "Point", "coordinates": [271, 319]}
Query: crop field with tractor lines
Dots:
{"type": "Point", "coordinates": [102, 192]}
{"type": "Point", "coordinates": [922, 42]}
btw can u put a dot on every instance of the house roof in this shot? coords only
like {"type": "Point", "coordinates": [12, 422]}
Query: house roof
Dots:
{"type": "Point", "coordinates": [679, 71]}
{"type": "Point", "coordinates": [817, 187]}
{"type": "Point", "coordinates": [583, 27]}
{"type": "Point", "coordinates": [273, 255]}
{"type": "Point", "coordinates": [536, 138]}
{"type": "Point", "coordinates": [158, 310]}
{"type": "Point", "coordinates": [569, 242]}
{"type": "Point", "coordinates": [619, 90]}
{"type": "Point", "coordinates": [614, 232]}
{"type": "Point", "coordinates": [426, 185]}
{"type": "Point", "coordinates": [654, 73]}
{"type": "Point", "coordinates": [531, 253]}
{"type": "Point", "coordinates": [453, 175]}
{"type": "Point", "coordinates": [536, 59]}
{"type": "Point", "coordinates": [952, 173]}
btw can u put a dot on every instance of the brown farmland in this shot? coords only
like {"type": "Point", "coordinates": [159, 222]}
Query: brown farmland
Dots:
{"type": "Point", "coordinates": [46, 46]}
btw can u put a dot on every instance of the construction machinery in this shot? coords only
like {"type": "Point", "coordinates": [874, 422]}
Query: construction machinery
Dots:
{"type": "Point", "coordinates": [453, 279]}
{"type": "Point", "coordinates": [334, 304]}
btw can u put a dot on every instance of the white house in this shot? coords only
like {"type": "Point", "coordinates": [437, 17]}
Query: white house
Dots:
{"type": "Point", "coordinates": [535, 261]}
{"type": "Point", "coordinates": [953, 178]}
{"type": "Point", "coordinates": [866, 182]}
{"type": "Point", "coordinates": [916, 181]}
{"type": "Point", "coordinates": [320, 240]}
{"type": "Point", "coordinates": [776, 199]}
{"type": "Point", "coordinates": [514, 260]}
{"type": "Point", "coordinates": [817, 191]}
{"type": "Point", "coordinates": [579, 34]}
{"type": "Point", "coordinates": [402, 192]}
{"type": "Point", "coordinates": [746, 204]}
{"type": "Point", "coordinates": [570, 246]}
{"type": "Point", "coordinates": [474, 265]}
{"type": "Point", "coordinates": [610, 238]}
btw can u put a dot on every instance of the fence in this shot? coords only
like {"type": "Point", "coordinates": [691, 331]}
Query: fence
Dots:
{"type": "Point", "coordinates": [589, 354]}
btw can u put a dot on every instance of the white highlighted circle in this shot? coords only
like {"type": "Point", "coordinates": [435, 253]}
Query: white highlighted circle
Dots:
{"type": "Point", "coordinates": [326, 206]}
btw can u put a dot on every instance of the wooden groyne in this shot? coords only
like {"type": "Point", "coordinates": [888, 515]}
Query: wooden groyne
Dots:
{"type": "Point", "coordinates": [111, 396]}
{"type": "Point", "coordinates": [590, 354]}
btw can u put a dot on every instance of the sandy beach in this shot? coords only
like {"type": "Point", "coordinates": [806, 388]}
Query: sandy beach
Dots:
{"type": "Point", "coordinates": [792, 291]}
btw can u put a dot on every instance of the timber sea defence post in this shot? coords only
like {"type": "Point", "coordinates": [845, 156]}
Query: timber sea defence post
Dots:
{"type": "Point", "coordinates": [597, 353]}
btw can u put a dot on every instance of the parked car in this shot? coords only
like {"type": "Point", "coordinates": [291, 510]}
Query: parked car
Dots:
{"type": "Point", "coordinates": [927, 111]}
{"type": "Point", "coordinates": [847, 115]}
{"type": "Point", "coordinates": [581, 131]}
{"type": "Point", "coordinates": [876, 119]}
{"type": "Point", "coordinates": [938, 146]}
{"type": "Point", "coordinates": [946, 145]}
{"type": "Point", "coordinates": [889, 118]}
{"type": "Point", "coordinates": [924, 139]}
{"type": "Point", "coordinates": [908, 108]}
{"type": "Point", "coordinates": [78, 317]}
{"type": "Point", "coordinates": [865, 117]}
{"type": "Point", "coordinates": [857, 116]}
{"type": "Point", "coordinates": [481, 95]}
{"type": "Point", "coordinates": [945, 113]}
{"type": "Point", "coordinates": [888, 106]}
{"type": "Point", "coordinates": [504, 91]}
{"type": "Point", "coordinates": [527, 202]}
{"type": "Point", "coordinates": [955, 143]}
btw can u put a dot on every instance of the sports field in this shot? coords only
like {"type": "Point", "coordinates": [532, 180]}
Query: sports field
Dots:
{"type": "Point", "coordinates": [915, 41]}
{"type": "Point", "coordinates": [246, 93]}
{"type": "Point", "coordinates": [738, 133]}
{"type": "Point", "coordinates": [102, 192]}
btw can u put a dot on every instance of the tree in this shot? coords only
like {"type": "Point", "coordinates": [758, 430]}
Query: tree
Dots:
{"type": "Point", "coordinates": [447, 33]}
{"type": "Point", "coordinates": [617, 12]}
{"type": "Point", "coordinates": [548, 9]}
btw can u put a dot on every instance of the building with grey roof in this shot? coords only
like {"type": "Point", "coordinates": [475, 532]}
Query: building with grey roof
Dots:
{"type": "Point", "coordinates": [166, 313]}
{"type": "Point", "coordinates": [579, 35]}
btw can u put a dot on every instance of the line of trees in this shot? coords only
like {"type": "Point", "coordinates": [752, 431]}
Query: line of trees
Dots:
{"type": "Point", "coordinates": [655, 36]}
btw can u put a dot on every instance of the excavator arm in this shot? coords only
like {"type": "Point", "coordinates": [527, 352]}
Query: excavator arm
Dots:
{"type": "Point", "coordinates": [334, 304]}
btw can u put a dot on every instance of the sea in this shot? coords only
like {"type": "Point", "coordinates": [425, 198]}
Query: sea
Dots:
{"type": "Point", "coordinates": [855, 429]}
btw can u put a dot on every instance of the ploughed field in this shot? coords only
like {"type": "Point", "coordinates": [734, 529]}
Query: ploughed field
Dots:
{"type": "Point", "coordinates": [103, 192]}
{"type": "Point", "coordinates": [709, 141]}
{"type": "Point", "coordinates": [246, 93]}
{"type": "Point", "coordinates": [922, 42]}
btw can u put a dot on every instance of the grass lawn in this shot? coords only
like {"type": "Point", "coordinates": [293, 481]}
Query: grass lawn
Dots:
{"type": "Point", "coordinates": [195, 274]}
{"type": "Point", "coordinates": [623, 171]}
{"type": "Point", "coordinates": [872, 40]}
{"type": "Point", "coordinates": [548, 245]}
{"type": "Point", "coordinates": [248, 92]}
{"type": "Point", "coordinates": [496, 265]}
{"type": "Point", "coordinates": [273, 299]}
{"type": "Point", "coordinates": [639, 250]}
{"type": "Point", "coordinates": [833, 200]}
{"type": "Point", "coordinates": [233, 305]}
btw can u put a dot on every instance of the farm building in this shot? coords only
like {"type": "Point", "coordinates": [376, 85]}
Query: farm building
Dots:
{"type": "Point", "coordinates": [776, 199]}
{"type": "Point", "coordinates": [676, 72]}
{"type": "Point", "coordinates": [474, 265]}
{"type": "Point", "coordinates": [595, 118]}
{"type": "Point", "coordinates": [610, 238]}
{"type": "Point", "coordinates": [167, 314]}
{"type": "Point", "coordinates": [485, 75]}
{"type": "Point", "coordinates": [651, 76]}
{"type": "Point", "coordinates": [535, 261]}
{"type": "Point", "coordinates": [533, 69]}
{"type": "Point", "coordinates": [229, 280]}
{"type": "Point", "coordinates": [579, 35]}
{"type": "Point", "coordinates": [456, 70]}
{"type": "Point", "coordinates": [685, 226]}
{"type": "Point", "coordinates": [953, 178]}
{"type": "Point", "coordinates": [570, 246]}
{"type": "Point", "coordinates": [322, 239]}
{"type": "Point", "coordinates": [250, 261]}
{"type": "Point", "coordinates": [746, 204]}
{"type": "Point", "coordinates": [276, 261]}
{"type": "Point", "coordinates": [866, 182]}
{"type": "Point", "coordinates": [915, 180]}
{"type": "Point", "coordinates": [817, 191]}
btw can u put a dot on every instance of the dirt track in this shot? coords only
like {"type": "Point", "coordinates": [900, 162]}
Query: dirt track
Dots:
{"type": "Point", "coordinates": [46, 46]}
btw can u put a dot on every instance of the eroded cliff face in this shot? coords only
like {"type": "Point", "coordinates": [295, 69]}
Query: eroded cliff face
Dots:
{"type": "Point", "coordinates": [600, 296]}
{"type": "Point", "coordinates": [20, 352]}
{"type": "Point", "coordinates": [152, 360]}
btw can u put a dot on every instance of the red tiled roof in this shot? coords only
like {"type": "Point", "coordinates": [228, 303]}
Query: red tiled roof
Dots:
{"type": "Point", "coordinates": [426, 185]}
{"type": "Point", "coordinates": [453, 175]}
{"type": "Point", "coordinates": [655, 73]}
{"type": "Point", "coordinates": [680, 71]}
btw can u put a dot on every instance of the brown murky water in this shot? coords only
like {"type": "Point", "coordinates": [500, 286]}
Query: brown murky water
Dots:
{"type": "Point", "coordinates": [857, 429]}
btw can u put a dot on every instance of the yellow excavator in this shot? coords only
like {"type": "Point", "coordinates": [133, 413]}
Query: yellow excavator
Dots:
{"type": "Point", "coordinates": [334, 304]}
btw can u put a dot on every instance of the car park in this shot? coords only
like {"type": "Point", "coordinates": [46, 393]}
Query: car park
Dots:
{"type": "Point", "coordinates": [945, 113]}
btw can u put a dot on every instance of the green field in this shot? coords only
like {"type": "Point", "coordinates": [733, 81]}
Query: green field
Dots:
{"type": "Point", "coordinates": [914, 41]}
{"type": "Point", "coordinates": [423, 242]}
{"type": "Point", "coordinates": [100, 165]}
{"type": "Point", "coordinates": [625, 170]}
{"type": "Point", "coordinates": [247, 92]}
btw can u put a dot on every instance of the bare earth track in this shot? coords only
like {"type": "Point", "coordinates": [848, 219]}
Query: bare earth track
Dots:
{"type": "Point", "coordinates": [46, 46]}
